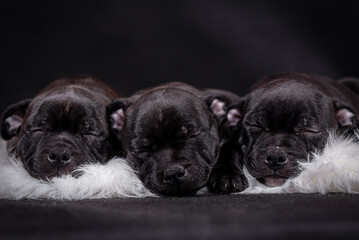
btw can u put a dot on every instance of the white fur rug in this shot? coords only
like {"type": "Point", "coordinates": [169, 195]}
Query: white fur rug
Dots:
{"type": "Point", "coordinates": [114, 179]}
{"type": "Point", "coordinates": [335, 170]}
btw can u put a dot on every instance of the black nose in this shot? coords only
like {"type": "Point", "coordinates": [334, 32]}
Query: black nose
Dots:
{"type": "Point", "coordinates": [59, 157]}
{"type": "Point", "coordinates": [276, 160]}
{"type": "Point", "coordinates": [174, 174]}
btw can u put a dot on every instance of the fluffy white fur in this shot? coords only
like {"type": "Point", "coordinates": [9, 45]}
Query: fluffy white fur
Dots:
{"type": "Point", "coordinates": [334, 170]}
{"type": "Point", "coordinates": [115, 179]}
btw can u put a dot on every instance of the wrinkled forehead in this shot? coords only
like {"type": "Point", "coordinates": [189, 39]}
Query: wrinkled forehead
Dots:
{"type": "Point", "coordinates": [167, 110]}
{"type": "Point", "coordinates": [287, 99]}
{"type": "Point", "coordinates": [289, 89]}
{"type": "Point", "coordinates": [60, 105]}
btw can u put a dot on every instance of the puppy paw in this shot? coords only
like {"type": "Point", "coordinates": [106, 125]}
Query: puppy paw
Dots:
{"type": "Point", "coordinates": [223, 183]}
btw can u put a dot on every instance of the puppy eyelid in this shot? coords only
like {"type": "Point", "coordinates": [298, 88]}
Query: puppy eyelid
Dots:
{"type": "Point", "coordinates": [193, 134]}
{"type": "Point", "coordinates": [257, 126]}
{"type": "Point", "coordinates": [90, 134]}
{"type": "Point", "coordinates": [312, 130]}
{"type": "Point", "coordinates": [251, 124]}
{"type": "Point", "coordinates": [308, 131]}
{"type": "Point", "coordinates": [36, 130]}
{"type": "Point", "coordinates": [141, 154]}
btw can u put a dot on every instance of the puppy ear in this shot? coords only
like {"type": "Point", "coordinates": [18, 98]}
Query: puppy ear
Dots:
{"type": "Point", "coordinates": [217, 106]}
{"type": "Point", "coordinates": [12, 119]}
{"type": "Point", "coordinates": [345, 116]}
{"type": "Point", "coordinates": [235, 113]}
{"type": "Point", "coordinates": [116, 113]}
{"type": "Point", "coordinates": [234, 116]}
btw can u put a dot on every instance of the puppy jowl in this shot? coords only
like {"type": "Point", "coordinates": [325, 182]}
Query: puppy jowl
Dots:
{"type": "Point", "coordinates": [286, 117]}
{"type": "Point", "coordinates": [170, 136]}
{"type": "Point", "coordinates": [64, 126]}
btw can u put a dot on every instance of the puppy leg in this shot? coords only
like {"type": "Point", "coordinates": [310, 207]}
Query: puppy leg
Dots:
{"type": "Point", "coordinates": [227, 175]}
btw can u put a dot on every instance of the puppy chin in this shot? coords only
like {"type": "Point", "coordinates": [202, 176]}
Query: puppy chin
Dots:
{"type": "Point", "coordinates": [49, 172]}
{"type": "Point", "coordinates": [273, 181]}
{"type": "Point", "coordinates": [48, 175]}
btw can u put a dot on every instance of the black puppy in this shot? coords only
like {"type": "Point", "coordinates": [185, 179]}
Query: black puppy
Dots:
{"type": "Point", "coordinates": [63, 126]}
{"type": "Point", "coordinates": [287, 116]}
{"type": "Point", "coordinates": [170, 135]}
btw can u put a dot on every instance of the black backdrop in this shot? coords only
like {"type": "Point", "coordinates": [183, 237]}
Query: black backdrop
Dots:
{"type": "Point", "coordinates": [137, 44]}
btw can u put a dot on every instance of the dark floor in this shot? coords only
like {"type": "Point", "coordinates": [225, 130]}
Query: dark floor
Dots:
{"type": "Point", "coordinates": [295, 216]}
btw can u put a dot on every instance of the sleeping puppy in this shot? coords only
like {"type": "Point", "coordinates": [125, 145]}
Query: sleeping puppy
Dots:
{"type": "Point", "coordinates": [64, 126]}
{"type": "Point", "coordinates": [170, 135]}
{"type": "Point", "coordinates": [285, 117]}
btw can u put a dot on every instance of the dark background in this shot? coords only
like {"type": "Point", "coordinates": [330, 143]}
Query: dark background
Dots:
{"type": "Point", "coordinates": [137, 44]}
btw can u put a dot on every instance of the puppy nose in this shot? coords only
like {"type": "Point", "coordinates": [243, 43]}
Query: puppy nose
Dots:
{"type": "Point", "coordinates": [174, 173]}
{"type": "Point", "coordinates": [276, 160]}
{"type": "Point", "coordinates": [59, 157]}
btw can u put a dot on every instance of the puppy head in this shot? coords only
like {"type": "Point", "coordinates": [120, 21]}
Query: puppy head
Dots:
{"type": "Point", "coordinates": [54, 133]}
{"type": "Point", "coordinates": [282, 124]}
{"type": "Point", "coordinates": [170, 137]}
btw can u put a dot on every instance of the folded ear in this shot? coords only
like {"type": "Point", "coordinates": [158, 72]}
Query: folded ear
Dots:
{"type": "Point", "coordinates": [234, 116]}
{"type": "Point", "coordinates": [217, 106]}
{"type": "Point", "coordinates": [345, 116]}
{"type": "Point", "coordinates": [116, 111]}
{"type": "Point", "coordinates": [235, 113]}
{"type": "Point", "coordinates": [12, 119]}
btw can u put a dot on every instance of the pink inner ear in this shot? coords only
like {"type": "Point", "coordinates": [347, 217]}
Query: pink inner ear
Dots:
{"type": "Point", "coordinates": [344, 117]}
{"type": "Point", "coordinates": [118, 118]}
{"type": "Point", "coordinates": [217, 107]}
{"type": "Point", "coordinates": [14, 122]}
{"type": "Point", "coordinates": [233, 117]}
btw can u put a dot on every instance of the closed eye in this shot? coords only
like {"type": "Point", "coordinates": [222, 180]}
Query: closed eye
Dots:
{"type": "Point", "coordinates": [36, 132]}
{"type": "Point", "coordinates": [256, 127]}
{"type": "Point", "coordinates": [190, 134]}
{"type": "Point", "coordinates": [313, 130]}
{"type": "Point", "coordinates": [308, 131]}
{"type": "Point", "coordinates": [90, 136]}
{"type": "Point", "coordinates": [140, 153]}
{"type": "Point", "coordinates": [193, 134]}
{"type": "Point", "coordinates": [90, 133]}
{"type": "Point", "coordinates": [142, 148]}
{"type": "Point", "coordinates": [187, 131]}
